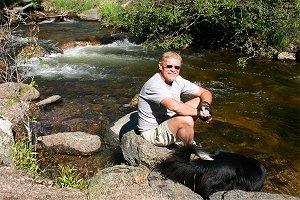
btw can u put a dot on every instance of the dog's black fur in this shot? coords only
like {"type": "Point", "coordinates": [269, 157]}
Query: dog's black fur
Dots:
{"type": "Point", "coordinates": [227, 171]}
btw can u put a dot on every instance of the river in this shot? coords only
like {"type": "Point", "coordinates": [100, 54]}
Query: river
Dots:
{"type": "Point", "coordinates": [256, 110]}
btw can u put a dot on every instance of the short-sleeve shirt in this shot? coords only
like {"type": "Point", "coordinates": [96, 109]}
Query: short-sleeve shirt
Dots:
{"type": "Point", "coordinates": [150, 112]}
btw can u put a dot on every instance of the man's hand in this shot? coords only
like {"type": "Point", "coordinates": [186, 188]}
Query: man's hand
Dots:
{"type": "Point", "coordinates": [204, 111]}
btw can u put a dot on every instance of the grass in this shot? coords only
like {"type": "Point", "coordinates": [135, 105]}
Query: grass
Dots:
{"type": "Point", "coordinates": [74, 5]}
{"type": "Point", "coordinates": [69, 178]}
{"type": "Point", "coordinates": [25, 157]}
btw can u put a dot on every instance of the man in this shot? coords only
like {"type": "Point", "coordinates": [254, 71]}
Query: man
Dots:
{"type": "Point", "coordinates": [162, 118]}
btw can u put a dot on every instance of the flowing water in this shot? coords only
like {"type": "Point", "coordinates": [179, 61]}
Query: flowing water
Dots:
{"type": "Point", "coordinates": [255, 110]}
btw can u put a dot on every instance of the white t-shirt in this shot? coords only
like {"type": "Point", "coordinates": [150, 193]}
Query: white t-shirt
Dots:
{"type": "Point", "coordinates": [150, 112]}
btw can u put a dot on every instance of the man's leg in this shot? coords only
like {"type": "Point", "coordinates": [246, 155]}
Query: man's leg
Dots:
{"type": "Point", "coordinates": [183, 126]}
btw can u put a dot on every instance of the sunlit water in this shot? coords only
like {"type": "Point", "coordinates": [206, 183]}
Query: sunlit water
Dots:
{"type": "Point", "coordinates": [255, 110]}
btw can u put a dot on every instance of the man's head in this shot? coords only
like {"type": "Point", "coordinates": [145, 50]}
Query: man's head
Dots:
{"type": "Point", "coordinates": [169, 66]}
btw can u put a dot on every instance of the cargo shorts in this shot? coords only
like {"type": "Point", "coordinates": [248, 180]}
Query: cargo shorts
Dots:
{"type": "Point", "coordinates": [159, 136]}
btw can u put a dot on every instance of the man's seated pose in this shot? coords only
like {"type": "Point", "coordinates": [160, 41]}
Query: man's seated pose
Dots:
{"type": "Point", "coordinates": [162, 118]}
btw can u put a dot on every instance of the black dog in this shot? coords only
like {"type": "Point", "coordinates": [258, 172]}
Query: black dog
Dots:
{"type": "Point", "coordinates": [227, 171]}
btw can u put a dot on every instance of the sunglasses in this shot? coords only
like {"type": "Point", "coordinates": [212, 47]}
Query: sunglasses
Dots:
{"type": "Point", "coordinates": [170, 66]}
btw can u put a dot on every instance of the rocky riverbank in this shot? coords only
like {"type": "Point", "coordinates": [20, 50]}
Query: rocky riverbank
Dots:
{"type": "Point", "coordinates": [134, 181]}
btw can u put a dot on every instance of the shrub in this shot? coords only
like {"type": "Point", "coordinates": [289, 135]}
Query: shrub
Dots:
{"type": "Point", "coordinates": [254, 26]}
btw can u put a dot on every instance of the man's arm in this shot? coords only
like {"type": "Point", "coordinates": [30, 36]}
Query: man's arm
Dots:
{"type": "Point", "coordinates": [205, 95]}
{"type": "Point", "coordinates": [189, 108]}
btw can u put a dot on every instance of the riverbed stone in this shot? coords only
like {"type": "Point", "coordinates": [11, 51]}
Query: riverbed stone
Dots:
{"type": "Point", "coordinates": [239, 194]}
{"type": "Point", "coordinates": [137, 151]}
{"type": "Point", "coordinates": [11, 90]}
{"type": "Point", "coordinates": [174, 190]}
{"type": "Point", "coordinates": [74, 143]}
{"type": "Point", "coordinates": [14, 111]}
{"type": "Point", "coordinates": [119, 128]}
{"type": "Point", "coordinates": [91, 14]}
{"type": "Point", "coordinates": [286, 56]}
{"type": "Point", "coordinates": [6, 142]}
{"type": "Point", "coordinates": [48, 101]}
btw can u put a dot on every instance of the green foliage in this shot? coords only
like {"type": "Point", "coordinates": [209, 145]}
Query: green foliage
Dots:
{"type": "Point", "coordinates": [242, 62]}
{"type": "Point", "coordinates": [111, 10]}
{"type": "Point", "coordinates": [10, 102]}
{"type": "Point", "coordinates": [34, 119]}
{"type": "Point", "coordinates": [74, 5]}
{"type": "Point", "coordinates": [25, 157]}
{"type": "Point", "coordinates": [33, 84]}
{"type": "Point", "coordinates": [160, 21]}
{"type": "Point", "coordinates": [256, 26]}
{"type": "Point", "coordinates": [69, 178]}
{"type": "Point", "coordinates": [35, 4]}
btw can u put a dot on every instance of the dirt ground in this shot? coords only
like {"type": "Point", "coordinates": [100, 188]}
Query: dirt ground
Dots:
{"type": "Point", "coordinates": [17, 185]}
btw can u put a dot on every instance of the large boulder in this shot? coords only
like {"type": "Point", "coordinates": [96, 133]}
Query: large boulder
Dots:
{"type": "Point", "coordinates": [11, 90]}
{"type": "Point", "coordinates": [15, 99]}
{"type": "Point", "coordinates": [75, 143]}
{"type": "Point", "coordinates": [6, 141]}
{"type": "Point", "coordinates": [119, 128]}
{"type": "Point", "coordinates": [122, 182]}
{"type": "Point", "coordinates": [175, 191]}
{"type": "Point", "coordinates": [136, 150]}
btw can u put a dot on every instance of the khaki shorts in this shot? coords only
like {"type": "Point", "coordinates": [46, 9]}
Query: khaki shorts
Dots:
{"type": "Point", "coordinates": [160, 136]}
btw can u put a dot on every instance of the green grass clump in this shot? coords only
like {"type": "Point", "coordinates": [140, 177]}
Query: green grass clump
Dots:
{"type": "Point", "coordinates": [25, 157]}
{"type": "Point", "coordinates": [74, 5]}
{"type": "Point", "coordinates": [69, 178]}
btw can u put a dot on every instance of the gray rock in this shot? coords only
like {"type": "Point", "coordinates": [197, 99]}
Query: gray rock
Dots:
{"type": "Point", "coordinates": [286, 56]}
{"type": "Point", "coordinates": [117, 171]}
{"type": "Point", "coordinates": [91, 14]}
{"type": "Point", "coordinates": [114, 176]}
{"type": "Point", "coordinates": [6, 141]}
{"type": "Point", "coordinates": [174, 190]}
{"type": "Point", "coordinates": [117, 129]}
{"type": "Point", "coordinates": [75, 143]}
{"type": "Point", "coordinates": [21, 90]}
{"type": "Point", "coordinates": [14, 111]}
{"type": "Point", "coordinates": [238, 194]}
{"type": "Point", "coordinates": [138, 151]}
{"type": "Point", "coordinates": [48, 101]}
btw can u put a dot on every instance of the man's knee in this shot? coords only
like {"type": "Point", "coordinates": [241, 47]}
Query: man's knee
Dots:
{"type": "Point", "coordinates": [186, 120]}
